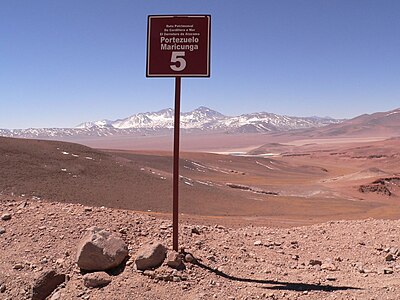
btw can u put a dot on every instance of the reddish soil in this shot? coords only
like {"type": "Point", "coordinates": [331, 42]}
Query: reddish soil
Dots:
{"type": "Point", "coordinates": [334, 260]}
{"type": "Point", "coordinates": [312, 185]}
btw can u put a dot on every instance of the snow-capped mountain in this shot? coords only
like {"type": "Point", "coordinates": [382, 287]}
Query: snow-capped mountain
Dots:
{"type": "Point", "coordinates": [202, 119]}
{"type": "Point", "coordinates": [102, 123]}
{"type": "Point", "coordinates": [163, 119]}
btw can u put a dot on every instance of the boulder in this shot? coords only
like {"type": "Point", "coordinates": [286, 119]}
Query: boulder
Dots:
{"type": "Point", "coordinates": [46, 283]}
{"type": "Point", "coordinates": [100, 250]}
{"type": "Point", "coordinates": [96, 280]}
{"type": "Point", "coordinates": [150, 256]}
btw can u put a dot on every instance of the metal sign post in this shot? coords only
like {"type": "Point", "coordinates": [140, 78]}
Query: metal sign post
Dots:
{"type": "Point", "coordinates": [178, 46]}
{"type": "Point", "coordinates": [175, 189]}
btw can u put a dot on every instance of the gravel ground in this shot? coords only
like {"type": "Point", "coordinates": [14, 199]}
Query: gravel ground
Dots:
{"type": "Point", "coordinates": [334, 260]}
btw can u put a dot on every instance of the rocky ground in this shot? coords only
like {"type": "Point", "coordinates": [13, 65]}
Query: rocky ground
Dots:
{"type": "Point", "coordinates": [334, 260]}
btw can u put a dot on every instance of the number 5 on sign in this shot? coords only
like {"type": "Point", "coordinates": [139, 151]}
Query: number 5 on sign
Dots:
{"type": "Point", "coordinates": [180, 62]}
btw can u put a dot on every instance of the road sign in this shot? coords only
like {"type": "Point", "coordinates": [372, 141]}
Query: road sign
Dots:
{"type": "Point", "coordinates": [178, 46]}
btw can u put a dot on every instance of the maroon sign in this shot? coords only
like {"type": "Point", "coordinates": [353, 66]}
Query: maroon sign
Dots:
{"type": "Point", "coordinates": [178, 46]}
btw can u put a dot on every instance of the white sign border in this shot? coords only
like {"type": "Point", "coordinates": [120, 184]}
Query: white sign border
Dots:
{"type": "Point", "coordinates": [178, 75]}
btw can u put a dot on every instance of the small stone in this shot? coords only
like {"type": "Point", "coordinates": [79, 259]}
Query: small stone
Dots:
{"type": "Point", "coordinates": [22, 205]}
{"type": "Point", "coordinates": [163, 227]}
{"type": "Point", "coordinates": [96, 280]}
{"type": "Point", "coordinates": [394, 251]}
{"type": "Point", "coordinates": [258, 243]}
{"type": "Point", "coordinates": [2, 230]}
{"type": "Point", "coordinates": [149, 273]}
{"type": "Point", "coordinates": [212, 258]}
{"type": "Point", "coordinates": [150, 256]}
{"type": "Point", "coordinates": [221, 269]}
{"type": "Point", "coordinates": [388, 271]}
{"type": "Point", "coordinates": [6, 217]}
{"type": "Point", "coordinates": [328, 266]}
{"type": "Point", "coordinates": [129, 263]}
{"type": "Point", "coordinates": [44, 260]}
{"type": "Point", "coordinates": [88, 208]}
{"type": "Point", "coordinates": [3, 288]}
{"type": "Point", "coordinates": [195, 230]}
{"type": "Point", "coordinates": [360, 267]}
{"type": "Point", "coordinates": [314, 262]}
{"type": "Point", "coordinates": [18, 266]}
{"type": "Point", "coordinates": [56, 296]}
{"type": "Point", "coordinates": [46, 283]}
{"type": "Point", "coordinates": [81, 293]}
{"type": "Point", "coordinates": [330, 278]}
{"type": "Point", "coordinates": [385, 270]}
{"type": "Point", "coordinates": [189, 258]}
{"type": "Point", "coordinates": [389, 257]}
{"type": "Point", "coordinates": [174, 260]}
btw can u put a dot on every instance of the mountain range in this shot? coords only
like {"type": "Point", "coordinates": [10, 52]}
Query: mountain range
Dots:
{"type": "Point", "coordinates": [206, 120]}
{"type": "Point", "coordinates": [202, 119]}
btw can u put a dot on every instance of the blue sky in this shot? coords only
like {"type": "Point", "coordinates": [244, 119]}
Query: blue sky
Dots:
{"type": "Point", "coordinates": [68, 61]}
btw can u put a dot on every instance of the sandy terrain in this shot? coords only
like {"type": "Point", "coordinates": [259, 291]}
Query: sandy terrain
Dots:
{"type": "Point", "coordinates": [304, 185]}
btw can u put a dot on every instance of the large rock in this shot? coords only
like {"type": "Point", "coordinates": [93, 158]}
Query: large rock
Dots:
{"type": "Point", "coordinates": [150, 256]}
{"type": "Point", "coordinates": [46, 283]}
{"type": "Point", "coordinates": [100, 250]}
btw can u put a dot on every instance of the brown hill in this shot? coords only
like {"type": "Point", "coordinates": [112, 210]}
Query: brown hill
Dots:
{"type": "Point", "coordinates": [75, 173]}
{"type": "Point", "coordinates": [376, 124]}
